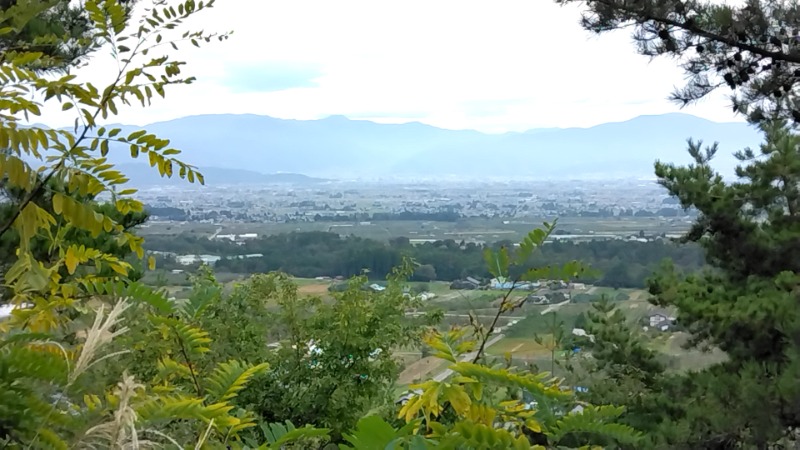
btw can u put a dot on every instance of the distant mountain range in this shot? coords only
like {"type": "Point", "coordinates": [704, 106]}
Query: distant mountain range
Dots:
{"type": "Point", "coordinates": [143, 175]}
{"type": "Point", "coordinates": [243, 147]}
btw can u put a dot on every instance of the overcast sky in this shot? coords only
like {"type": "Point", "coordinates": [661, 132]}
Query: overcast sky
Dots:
{"type": "Point", "coordinates": [494, 66]}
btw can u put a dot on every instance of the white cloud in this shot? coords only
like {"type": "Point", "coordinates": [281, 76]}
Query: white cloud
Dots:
{"type": "Point", "coordinates": [494, 66]}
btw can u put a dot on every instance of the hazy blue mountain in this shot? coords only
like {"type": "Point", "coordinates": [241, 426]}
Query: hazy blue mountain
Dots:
{"type": "Point", "coordinates": [337, 147]}
{"type": "Point", "coordinates": [143, 175]}
{"type": "Point", "coordinates": [334, 147]}
{"type": "Point", "coordinates": [614, 149]}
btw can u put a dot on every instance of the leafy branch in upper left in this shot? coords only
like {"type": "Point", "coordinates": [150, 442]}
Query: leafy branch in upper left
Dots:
{"type": "Point", "coordinates": [75, 297]}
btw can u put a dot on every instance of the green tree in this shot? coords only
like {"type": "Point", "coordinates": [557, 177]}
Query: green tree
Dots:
{"type": "Point", "coordinates": [49, 201]}
{"type": "Point", "coordinates": [745, 304]}
{"type": "Point", "coordinates": [622, 370]}
{"type": "Point", "coordinates": [581, 321]}
{"type": "Point", "coordinates": [750, 230]}
{"type": "Point", "coordinates": [618, 275]}
{"type": "Point", "coordinates": [556, 338]}
{"type": "Point", "coordinates": [425, 272]}
{"type": "Point", "coordinates": [335, 362]}
{"type": "Point", "coordinates": [60, 30]}
{"type": "Point", "coordinates": [41, 248]}
{"type": "Point", "coordinates": [246, 307]}
{"type": "Point", "coordinates": [752, 47]}
{"type": "Point", "coordinates": [56, 348]}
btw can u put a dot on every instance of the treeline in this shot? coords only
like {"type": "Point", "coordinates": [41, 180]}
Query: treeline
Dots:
{"type": "Point", "coordinates": [313, 254]}
{"type": "Point", "coordinates": [167, 212]}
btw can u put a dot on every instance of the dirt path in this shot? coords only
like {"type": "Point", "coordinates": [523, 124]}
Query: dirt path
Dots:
{"type": "Point", "coordinates": [216, 233]}
{"type": "Point", "coordinates": [554, 307]}
{"type": "Point", "coordinates": [419, 370]}
{"type": "Point", "coordinates": [451, 296]}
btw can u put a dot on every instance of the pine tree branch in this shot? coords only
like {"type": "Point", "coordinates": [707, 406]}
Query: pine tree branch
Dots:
{"type": "Point", "coordinates": [642, 16]}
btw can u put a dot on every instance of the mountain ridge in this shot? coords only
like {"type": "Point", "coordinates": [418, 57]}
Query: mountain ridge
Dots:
{"type": "Point", "coordinates": [142, 175]}
{"type": "Point", "coordinates": [336, 147]}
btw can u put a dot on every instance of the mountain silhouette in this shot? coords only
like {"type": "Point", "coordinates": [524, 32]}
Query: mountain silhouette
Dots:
{"type": "Point", "coordinates": [337, 147]}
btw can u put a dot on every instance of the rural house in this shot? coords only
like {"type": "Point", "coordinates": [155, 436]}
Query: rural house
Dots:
{"type": "Point", "coordinates": [661, 320]}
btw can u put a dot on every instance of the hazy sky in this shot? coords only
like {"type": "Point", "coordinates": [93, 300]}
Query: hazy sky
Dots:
{"type": "Point", "coordinates": [494, 66]}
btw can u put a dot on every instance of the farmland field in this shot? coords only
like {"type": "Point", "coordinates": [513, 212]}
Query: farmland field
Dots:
{"type": "Point", "coordinates": [313, 289]}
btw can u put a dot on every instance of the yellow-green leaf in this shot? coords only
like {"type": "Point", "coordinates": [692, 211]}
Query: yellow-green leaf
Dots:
{"type": "Point", "coordinates": [58, 203]}
{"type": "Point", "coordinates": [533, 425]}
{"type": "Point", "coordinates": [71, 260]}
{"type": "Point", "coordinates": [458, 398]}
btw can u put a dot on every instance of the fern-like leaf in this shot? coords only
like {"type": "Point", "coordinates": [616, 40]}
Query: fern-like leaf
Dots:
{"type": "Point", "coordinates": [241, 424]}
{"type": "Point", "coordinates": [133, 290]}
{"type": "Point", "coordinates": [168, 368]}
{"type": "Point", "coordinates": [24, 338]}
{"type": "Point", "coordinates": [449, 346]}
{"type": "Point", "coordinates": [193, 340]}
{"type": "Point", "coordinates": [537, 385]}
{"type": "Point", "coordinates": [47, 439]}
{"type": "Point", "coordinates": [534, 240]}
{"type": "Point", "coordinates": [372, 432]}
{"type": "Point", "coordinates": [279, 434]}
{"type": "Point", "coordinates": [470, 435]}
{"type": "Point", "coordinates": [28, 363]}
{"type": "Point", "coordinates": [171, 407]}
{"type": "Point", "coordinates": [229, 378]}
{"type": "Point", "coordinates": [203, 295]}
{"type": "Point", "coordinates": [596, 421]}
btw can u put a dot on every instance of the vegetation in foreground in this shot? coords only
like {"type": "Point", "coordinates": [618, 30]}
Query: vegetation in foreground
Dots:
{"type": "Point", "coordinates": [93, 359]}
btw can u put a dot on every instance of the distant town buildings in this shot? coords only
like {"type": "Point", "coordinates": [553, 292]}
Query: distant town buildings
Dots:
{"type": "Point", "coordinates": [367, 204]}
{"type": "Point", "coordinates": [188, 260]}
{"type": "Point", "coordinates": [236, 237]}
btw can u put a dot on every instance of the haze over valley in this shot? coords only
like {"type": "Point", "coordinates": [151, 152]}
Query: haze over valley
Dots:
{"type": "Point", "coordinates": [340, 148]}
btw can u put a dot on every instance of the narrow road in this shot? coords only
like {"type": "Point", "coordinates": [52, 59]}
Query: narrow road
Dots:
{"type": "Point", "coordinates": [213, 236]}
{"type": "Point", "coordinates": [555, 307]}
{"type": "Point", "coordinates": [468, 357]}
